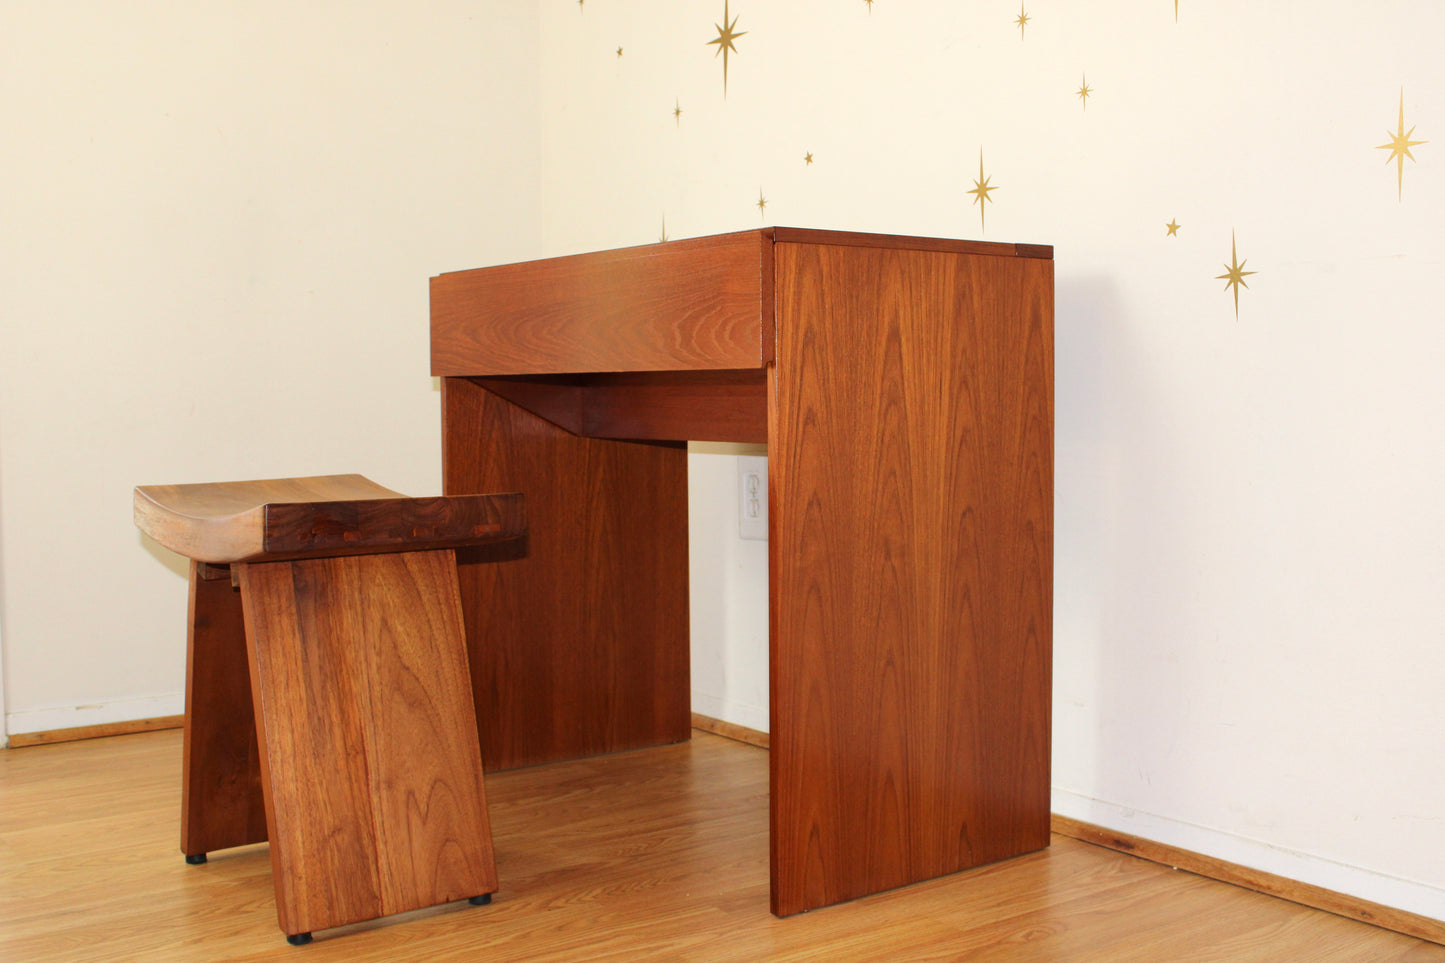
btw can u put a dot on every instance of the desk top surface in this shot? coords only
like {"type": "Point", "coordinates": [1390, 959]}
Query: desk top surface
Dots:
{"type": "Point", "coordinates": [696, 304]}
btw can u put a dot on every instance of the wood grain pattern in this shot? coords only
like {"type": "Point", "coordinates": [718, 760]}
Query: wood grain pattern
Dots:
{"type": "Point", "coordinates": [652, 855]}
{"type": "Point", "coordinates": [391, 525]}
{"type": "Point", "coordinates": [910, 561]}
{"type": "Point", "coordinates": [693, 304]}
{"type": "Point", "coordinates": [374, 793]}
{"type": "Point", "coordinates": [221, 797]}
{"type": "Point", "coordinates": [582, 647]}
{"type": "Point", "coordinates": [222, 522]}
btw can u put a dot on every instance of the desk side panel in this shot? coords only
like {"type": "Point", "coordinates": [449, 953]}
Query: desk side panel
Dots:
{"type": "Point", "coordinates": [684, 305]}
{"type": "Point", "coordinates": [580, 648]}
{"type": "Point", "coordinates": [911, 565]}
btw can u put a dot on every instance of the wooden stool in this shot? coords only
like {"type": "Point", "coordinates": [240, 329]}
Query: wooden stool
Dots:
{"type": "Point", "coordinates": [345, 644]}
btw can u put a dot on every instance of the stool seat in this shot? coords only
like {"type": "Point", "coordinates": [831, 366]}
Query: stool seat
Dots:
{"type": "Point", "coordinates": [329, 704]}
{"type": "Point", "coordinates": [313, 517]}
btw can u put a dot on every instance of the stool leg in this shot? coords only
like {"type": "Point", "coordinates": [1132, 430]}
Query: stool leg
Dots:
{"type": "Point", "coordinates": [370, 760]}
{"type": "Point", "coordinates": [221, 803]}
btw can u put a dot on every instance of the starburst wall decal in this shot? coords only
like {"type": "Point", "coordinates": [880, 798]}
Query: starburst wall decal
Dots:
{"type": "Point", "coordinates": [1399, 148]}
{"type": "Point", "coordinates": [725, 41]}
{"type": "Point", "coordinates": [980, 192]}
{"type": "Point", "coordinates": [1234, 274]}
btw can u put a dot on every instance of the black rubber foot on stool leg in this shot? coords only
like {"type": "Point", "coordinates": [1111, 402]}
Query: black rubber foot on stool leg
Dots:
{"type": "Point", "coordinates": [299, 939]}
{"type": "Point", "coordinates": [196, 859]}
{"type": "Point", "coordinates": [482, 900]}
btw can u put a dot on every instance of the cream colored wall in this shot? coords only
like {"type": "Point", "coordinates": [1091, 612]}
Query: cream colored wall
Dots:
{"type": "Point", "coordinates": [218, 224]}
{"type": "Point", "coordinates": [1249, 607]}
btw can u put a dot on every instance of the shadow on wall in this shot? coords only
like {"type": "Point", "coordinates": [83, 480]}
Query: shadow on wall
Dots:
{"type": "Point", "coordinates": [176, 563]}
{"type": "Point", "coordinates": [1082, 307]}
{"type": "Point", "coordinates": [1118, 556]}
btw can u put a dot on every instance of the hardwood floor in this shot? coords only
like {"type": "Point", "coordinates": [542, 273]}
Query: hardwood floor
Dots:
{"type": "Point", "coordinates": [658, 854]}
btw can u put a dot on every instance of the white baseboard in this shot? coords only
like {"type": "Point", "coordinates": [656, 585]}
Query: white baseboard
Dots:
{"type": "Point", "coordinates": [98, 714]}
{"type": "Point", "coordinates": [1409, 895]}
{"type": "Point", "coordinates": [738, 713]}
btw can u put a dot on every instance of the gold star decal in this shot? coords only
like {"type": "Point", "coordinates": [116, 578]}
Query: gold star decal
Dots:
{"type": "Point", "coordinates": [808, 158]}
{"type": "Point", "coordinates": [1172, 227]}
{"type": "Point", "coordinates": [619, 51]}
{"type": "Point", "coordinates": [724, 41]}
{"type": "Point", "coordinates": [1236, 274]}
{"type": "Point", "coordinates": [981, 191]}
{"type": "Point", "coordinates": [1399, 147]}
{"type": "Point", "coordinates": [1022, 20]}
{"type": "Point", "coordinates": [1084, 90]}
{"type": "Point", "coordinates": [762, 204]}
{"type": "Point", "coordinates": [677, 112]}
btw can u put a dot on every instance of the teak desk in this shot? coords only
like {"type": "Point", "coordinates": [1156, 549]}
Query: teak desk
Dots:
{"type": "Point", "coordinates": [904, 387]}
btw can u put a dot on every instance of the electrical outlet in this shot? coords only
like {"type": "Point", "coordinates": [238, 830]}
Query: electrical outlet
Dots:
{"type": "Point", "coordinates": [753, 497]}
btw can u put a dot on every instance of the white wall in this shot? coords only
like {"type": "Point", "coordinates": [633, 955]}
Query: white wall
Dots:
{"type": "Point", "coordinates": [729, 604]}
{"type": "Point", "coordinates": [218, 224]}
{"type": "Point", "coordinates": [1249, 617]}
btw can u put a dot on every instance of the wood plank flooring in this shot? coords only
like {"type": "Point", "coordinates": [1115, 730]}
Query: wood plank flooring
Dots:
{"type": "Point", "coordinates": [658, 854]}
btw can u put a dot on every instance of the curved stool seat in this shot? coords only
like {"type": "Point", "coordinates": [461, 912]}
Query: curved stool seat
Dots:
{"type": "Point", "coordinates": [326, 515]}
{"type": "Point", "coordinates": [328, 697]}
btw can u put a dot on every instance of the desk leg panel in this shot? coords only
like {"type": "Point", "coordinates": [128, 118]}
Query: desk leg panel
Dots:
{"type": "Point", "coordinates": [580, 648]}
{"type": "Point", "coordinates": [374, 792]}
{"type": "Point", "coordinates": [911, 511]}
